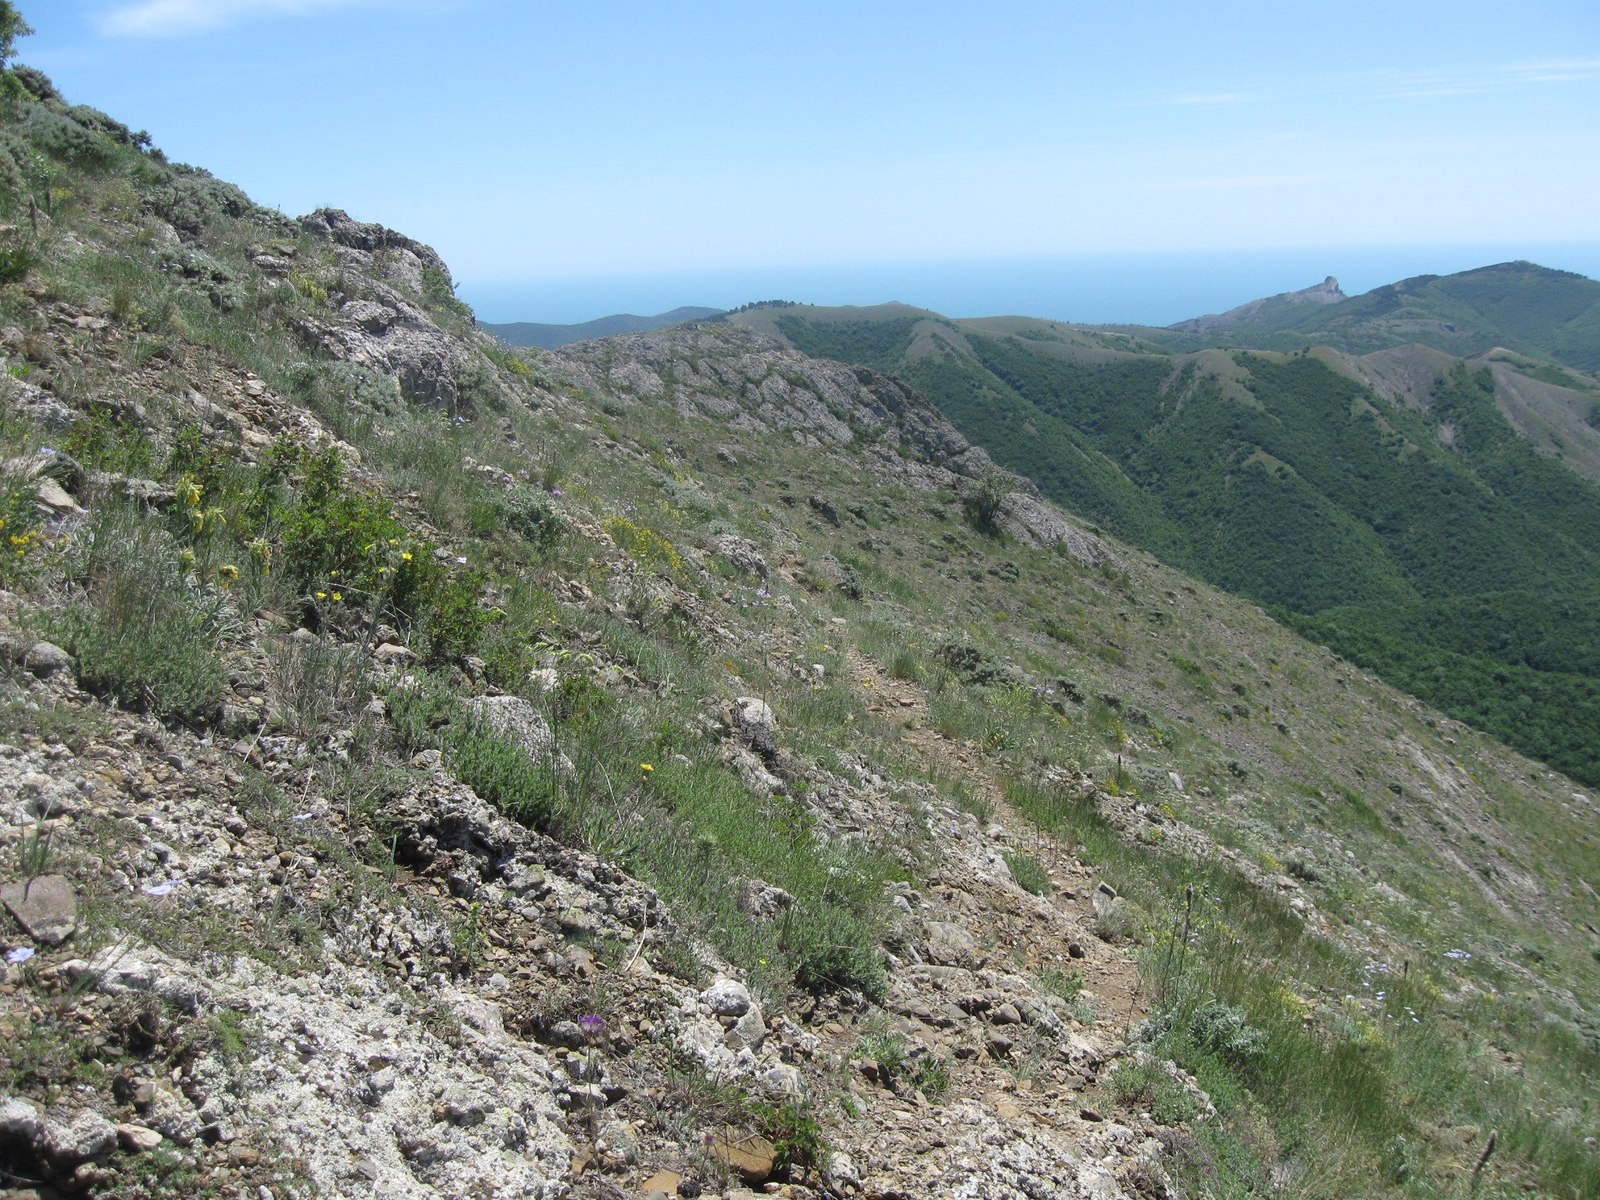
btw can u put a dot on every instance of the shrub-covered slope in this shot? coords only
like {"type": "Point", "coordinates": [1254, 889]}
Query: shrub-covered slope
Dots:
{"type": "Point", "coordinates": [676, 763]}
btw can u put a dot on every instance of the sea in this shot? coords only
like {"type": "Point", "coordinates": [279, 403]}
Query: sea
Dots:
{"type": "Point", "coordinates": [1154, 288]}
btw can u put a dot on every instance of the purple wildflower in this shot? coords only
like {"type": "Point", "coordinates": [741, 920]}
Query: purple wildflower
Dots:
{"type": "Point", "coordinates": [592, 1026]}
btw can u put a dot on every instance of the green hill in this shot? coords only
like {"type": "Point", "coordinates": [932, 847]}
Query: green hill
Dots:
{"type": "Point", "coordinates": [1339, 490]}
{"type": "Point", "coordinates": [1554, 315]}
{"type": "Point", "coordinates": [548, 337]}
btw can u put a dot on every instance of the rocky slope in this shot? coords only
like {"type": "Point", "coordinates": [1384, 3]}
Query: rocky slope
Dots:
{"type": "Point", "coordinates": [680, 767]}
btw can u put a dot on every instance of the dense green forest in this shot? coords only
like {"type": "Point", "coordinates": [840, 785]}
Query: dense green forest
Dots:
{"type": "Point", "coordinates": [875, 344]}
{"type": "Point", "coordinates": [1434, 547]}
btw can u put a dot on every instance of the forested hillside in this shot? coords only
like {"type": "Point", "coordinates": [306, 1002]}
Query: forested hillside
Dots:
{"type": "Point", "coordinates": [1419, 534]}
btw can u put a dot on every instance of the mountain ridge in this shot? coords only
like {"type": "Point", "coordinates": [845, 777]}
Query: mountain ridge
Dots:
{"type": "Point", "coordinates": [552, 336]}
{"type": "Point", "coordinates": [1251, 312]}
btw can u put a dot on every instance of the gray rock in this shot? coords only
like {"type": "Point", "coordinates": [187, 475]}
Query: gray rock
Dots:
{"type": "Point", "coordinates": [239, 719]}
{"type": "Point", "coordinates": [45, 659]}
{"type": "Point", "coordinates": [55, 497]}
{"type": "Point", "coordinates": [22, 1122]}
{"type": "Point", "coordinates": [617, 1138]}
{"type": "Point", "coordinates": [754, 713]}
{"type": "Point", "coordinates": [950, 945]}
{"type": "Point", "coordinates": [566, 1033]}
{"type": "Point", "coordinates": [371, 316]}
{"type": "Point", "coordinates": [45, 906]}
{"type": "Point", "coordinates": [741, 553]}
{"type": "Point", "coordinates": [783, 1081]}
{"type": "Point", "coordinates": [727, 998]}
{"type": "Point", "coordinates": [514, 719]}
{"type": "Point", "coordinates": [752, 1027]}
{"type": "Point", "coordinates": [63, 1141]}
{"type": "Point", "coordinates": [1006, 1014]}
{"type": "Point", "coordinates": [762, 899]}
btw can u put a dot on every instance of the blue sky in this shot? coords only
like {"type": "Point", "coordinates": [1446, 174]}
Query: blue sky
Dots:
{"type": "Point", "coordinates": [589, 152]}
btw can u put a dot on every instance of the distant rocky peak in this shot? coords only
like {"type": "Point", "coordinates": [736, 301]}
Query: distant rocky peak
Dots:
{"type": "Point", "coordinates": [1326, 292]}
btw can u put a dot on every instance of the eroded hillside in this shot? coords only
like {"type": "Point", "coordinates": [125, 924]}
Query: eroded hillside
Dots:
{"type": "Point", "coordinates": [678, 766]}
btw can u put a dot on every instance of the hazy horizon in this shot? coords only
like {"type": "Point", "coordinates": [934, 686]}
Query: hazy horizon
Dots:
{"type": "Point", "coordinates": [637, 155]}
{"type": "Point", "coordinates": [1139, 289]}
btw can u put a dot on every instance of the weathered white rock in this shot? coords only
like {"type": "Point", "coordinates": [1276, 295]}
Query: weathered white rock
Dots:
{"type": "Point", "coordinates": [727, 998]}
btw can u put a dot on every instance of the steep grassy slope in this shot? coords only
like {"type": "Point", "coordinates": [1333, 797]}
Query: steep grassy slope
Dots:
{"type": "Point", "coordinates": [451, 749]}
{"type": "Point", "coordinates": [1310, 482]}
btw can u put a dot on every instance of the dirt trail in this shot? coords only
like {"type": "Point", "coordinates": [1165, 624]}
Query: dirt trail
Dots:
{"type": "Point", "coordinates": [970, 990]}
{"type": "Point", "coordinates": [1051, 924]}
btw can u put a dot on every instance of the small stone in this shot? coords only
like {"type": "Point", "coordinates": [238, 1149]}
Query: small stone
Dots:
{"type": "Point", "coordinates": [663, 1185]}
{"type": "Point", "coordinates": [998, 1046]}
{"type": "Point", "coordinates": [388, 652]}
{"type": "Point", "coordinates": [754, 1158]}
{"type": "Point", "coordinates": [137, 1138]}
{"type": "Point", "coordinates": [567, 1034]}
{"type": "Point", "coordinates": [618, 1139]}
{"type": "Point", "coordinates": [55, 497]}
{"type": "Point", "coordinates": [1006, 1014]}
{"type": "Point", "coordinates": [45, 906]}
{"type": "Point", "coordinates": [459, 1107]}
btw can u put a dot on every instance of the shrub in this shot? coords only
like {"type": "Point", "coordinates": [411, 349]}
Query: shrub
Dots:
{"type": "Point", "coordinates": [342, 548]}
{"type": "Point", "coordinates": [526, 511]}
{"type": "Point", "coordinates": [17, 258]}
{"type": "Point", "coordinates": [21, 537]}
{"type": "Point", "coordinates": [107, 439]}
{"type": "Point", "coordinates": [1029, 873]}
{"type": "Point", "coordinates": [1145, 1082]}
{"type": "Point", "coordinates": [984, 498]}
{"type": "Point", "coordinates": [1222, 1029]}
{"type": "Point", "coordinates": [313, 680]}
{"type": "Point", "coordinates": [143, 634]}
{"type": "Point", "coordinates": [191, 200]}
{"type": "Point", "coordinates": [650, 549]}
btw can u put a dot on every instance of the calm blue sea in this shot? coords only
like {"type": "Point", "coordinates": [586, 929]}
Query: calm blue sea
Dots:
{"type": "Point", "coordinates": [1148, 289]}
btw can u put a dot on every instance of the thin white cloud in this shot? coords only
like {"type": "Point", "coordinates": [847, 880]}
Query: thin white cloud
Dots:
{"type": "Point", "coordinates": [177, 18]}
{"type": "Point", "coordinates": [1234, 182]}
{"type": "Point", "coordinates": [1214, 98]}
{"type": "Point", "coordinates": [1411, 85]}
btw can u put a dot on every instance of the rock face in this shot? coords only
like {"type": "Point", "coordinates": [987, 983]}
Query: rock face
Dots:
{"type": "Point", "coordinates": [753, 382]}
{"type": "Point", "coordinates": [382, 325]}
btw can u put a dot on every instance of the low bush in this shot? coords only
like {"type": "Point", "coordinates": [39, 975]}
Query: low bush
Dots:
{"type": "Point", "coordinates": [144, 632]}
